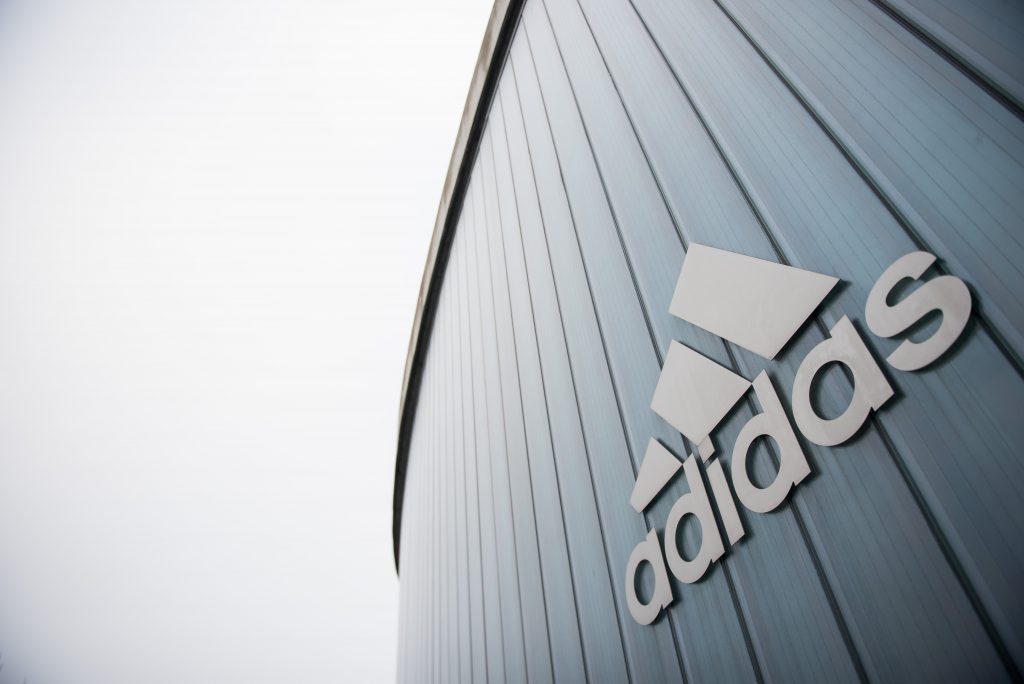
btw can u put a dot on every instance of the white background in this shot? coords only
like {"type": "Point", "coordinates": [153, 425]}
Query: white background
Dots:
{"type": "Point", "coordinates": [213, 222]}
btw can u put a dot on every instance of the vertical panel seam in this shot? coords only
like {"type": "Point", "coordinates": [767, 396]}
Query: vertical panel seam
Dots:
{"type": "Point", "coordinates": [741, 616]}
{"type": "Point", "coordinates": [522, 411]}
{"type": "Point", "coordinates": [885, 196]}
{"type": "Point", "coordinates": [449, 429]}
{"type": "Point", "coordinates": [946, 52]}
{"type": "Point", "coordinates": [465, 496]}
{"type": "Point", "coordinates": [480, 551]}
{"type": "Point", "coordinates": [583, 434]}
{"type": "Point", "coordinates": [478, 324]}
{"type": "Point", "coordinates": [540, 361]}
{"type": "Point", "coordinates": [940, 535]}
{"type": "Point", "coordinates": [450, 529]}
{"type": "Point", "coordinates": [501, 403]}
{"type": "Point", "coordinates": [441, 608]}
{"type": "Point", "coordinates": [463, 611]}
{"type": "Point", "coordinates": [839, 616]}
{"type": "Point", "coordinates": [586, 271]}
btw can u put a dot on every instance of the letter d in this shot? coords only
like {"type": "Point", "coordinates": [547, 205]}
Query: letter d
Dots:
{"type": "Point", "coordinates": [648, 550]}
{"type": "Point", "coordinates": [696, 503]}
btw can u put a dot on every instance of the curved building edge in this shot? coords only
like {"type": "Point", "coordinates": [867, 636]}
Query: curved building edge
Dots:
{"type": "Point", "coordinates": [495, 45]}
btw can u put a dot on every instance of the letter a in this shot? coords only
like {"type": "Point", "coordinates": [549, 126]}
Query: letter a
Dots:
{"type": "Point", "coordinates": [870, 388]}
{"type": "Point", "coordinates": [648, 550]}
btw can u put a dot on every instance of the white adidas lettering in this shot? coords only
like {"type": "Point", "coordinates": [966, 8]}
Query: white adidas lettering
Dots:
{"type": "Point", "coordinates": [760, 305]}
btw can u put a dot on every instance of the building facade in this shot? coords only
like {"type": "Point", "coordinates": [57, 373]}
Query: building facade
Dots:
{"type": "Point", "coordinates": [779, 243]}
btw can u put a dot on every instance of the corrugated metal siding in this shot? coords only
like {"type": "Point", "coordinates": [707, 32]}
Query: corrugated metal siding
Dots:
{"type": "Point", "coordinates": [833, 136]}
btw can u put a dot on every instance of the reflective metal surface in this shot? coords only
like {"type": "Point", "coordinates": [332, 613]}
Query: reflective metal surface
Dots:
{"type": "Point", "coordinates": [833, 137]}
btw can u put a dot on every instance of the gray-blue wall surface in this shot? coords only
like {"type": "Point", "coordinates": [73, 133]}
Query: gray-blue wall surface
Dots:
{"type": "Point", "coordinates": [834, 136]}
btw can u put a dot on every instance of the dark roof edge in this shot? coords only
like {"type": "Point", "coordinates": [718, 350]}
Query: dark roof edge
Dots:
{"type": "Point", "coordinates": [496, 42]}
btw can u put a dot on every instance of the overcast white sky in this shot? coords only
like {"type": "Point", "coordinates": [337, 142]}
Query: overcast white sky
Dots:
{"type": "Point", "coordinates": [213, 222]}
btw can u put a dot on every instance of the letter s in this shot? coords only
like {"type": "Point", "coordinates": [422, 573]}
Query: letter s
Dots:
{"type": "Point", "coordinates": [945, 294]}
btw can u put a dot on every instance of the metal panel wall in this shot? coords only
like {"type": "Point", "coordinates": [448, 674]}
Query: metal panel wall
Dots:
{"type": "Point", "coordinates": [832, 136]}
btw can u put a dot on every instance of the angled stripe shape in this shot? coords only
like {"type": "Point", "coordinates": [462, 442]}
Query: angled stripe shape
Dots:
{"type": "Point", "coordinates": [754, 303]}
{"type": "Point", "coordinates": [656, 470]}
{"type": "Point", "coordinates": [694, 393]}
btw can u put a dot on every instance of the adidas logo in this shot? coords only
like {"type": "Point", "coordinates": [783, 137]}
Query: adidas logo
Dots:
{"type": "Point", "coordinates": [760, 306]}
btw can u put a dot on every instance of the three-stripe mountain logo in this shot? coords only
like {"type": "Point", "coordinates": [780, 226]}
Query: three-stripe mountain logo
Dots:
{"type": "Point", "coordinates": [760, 305]}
